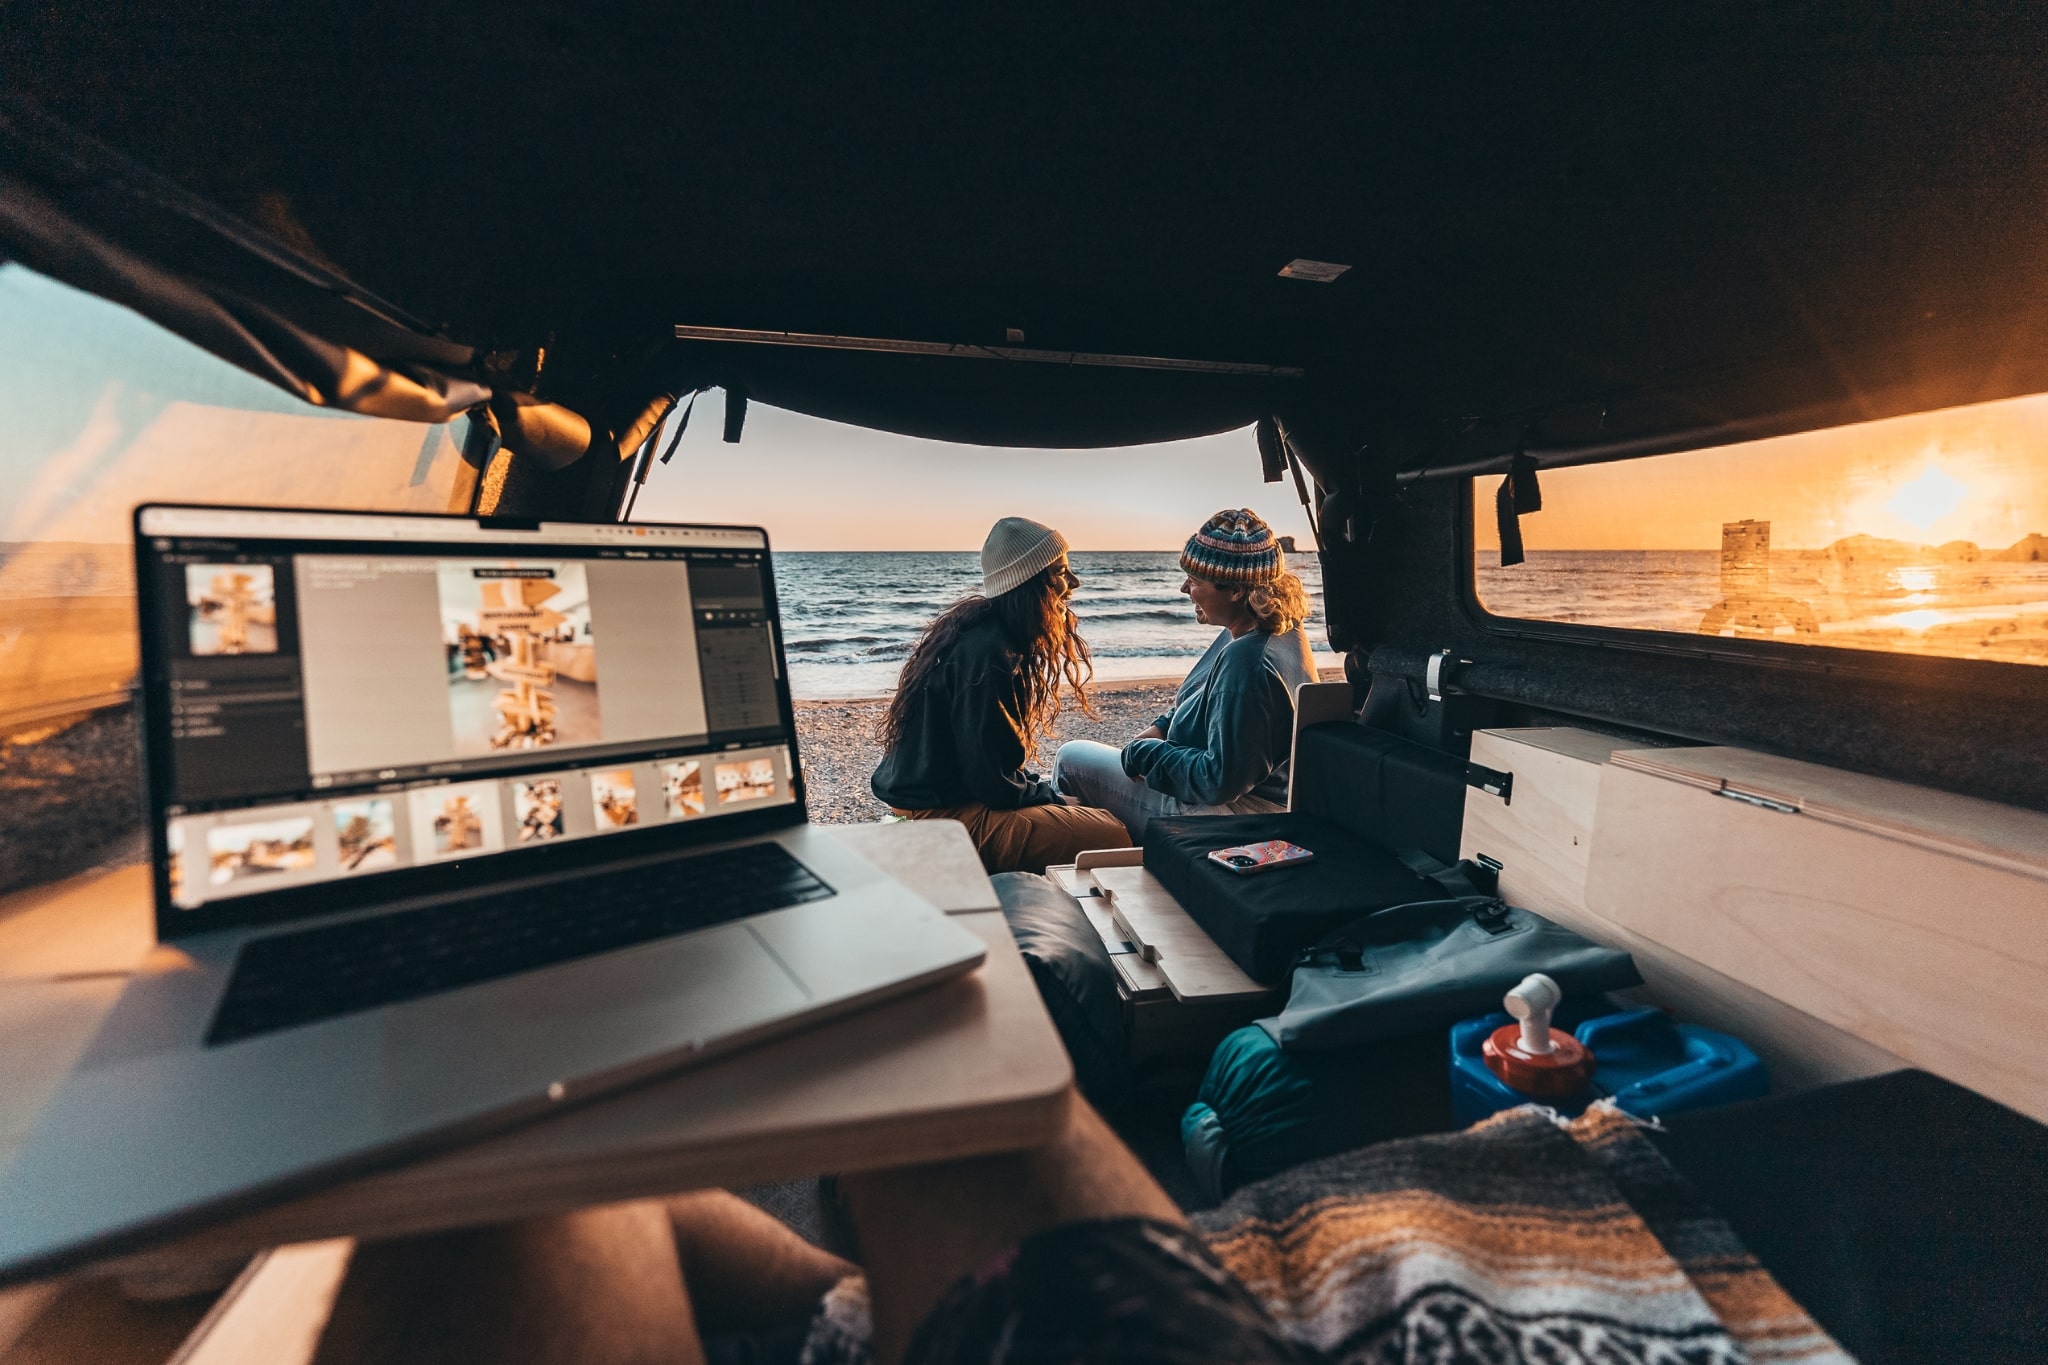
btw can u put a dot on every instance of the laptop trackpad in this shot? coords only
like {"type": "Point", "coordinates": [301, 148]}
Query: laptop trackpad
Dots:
{"type": "Point", "coordinates": [587, 1018]}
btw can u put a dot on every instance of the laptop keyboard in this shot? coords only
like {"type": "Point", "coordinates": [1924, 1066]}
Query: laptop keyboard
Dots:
{"type": "Point", "coordinates": [290, 979]}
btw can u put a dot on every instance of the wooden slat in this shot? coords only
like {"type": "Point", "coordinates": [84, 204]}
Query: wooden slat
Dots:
{"type": "Point", "coordinates": [1543, 834]}
{"type": "Point", "coordinates": [276, 1311]}
{"type": "Point", "coordinates": [1089, 859]}
{"type": "Point", "coordinates": [1961, 826]}
{"type": "Point", "coordinates": [1936, 958]}
{"type": "Point", "coordinates": [1195, 968]}
{"type": "Point", "coordinates": [100, 923]}
{"type": "Point", "coordinates": [1315, 703]}
{"type": "Point", "coordinates": [934, 858]}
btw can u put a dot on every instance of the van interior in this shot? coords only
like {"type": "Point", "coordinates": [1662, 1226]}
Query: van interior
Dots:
{"type": "Point", "coordinates": [1550, 320]}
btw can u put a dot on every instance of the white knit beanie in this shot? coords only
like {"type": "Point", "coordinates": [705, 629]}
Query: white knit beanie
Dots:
{"type": "Point", "coordinates": [1015, 550]}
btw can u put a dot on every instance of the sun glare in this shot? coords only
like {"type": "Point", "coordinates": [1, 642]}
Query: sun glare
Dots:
{"type": "Point", "coordinates": [1928, 498]}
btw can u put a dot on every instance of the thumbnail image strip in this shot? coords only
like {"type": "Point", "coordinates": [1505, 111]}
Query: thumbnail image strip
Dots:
{"type": "Point", "coordinates": [537, 809]}
{"type": "Point", "coordinates": [749, 779]}
{"type": "Point", "coordinates": [612, 799]}
{"type": "Point", "coordinates": [682, 784]}
{"type": "Point", "coordinates": [366, 834]}
{"type": "Point", "coordinates": [252, 852]}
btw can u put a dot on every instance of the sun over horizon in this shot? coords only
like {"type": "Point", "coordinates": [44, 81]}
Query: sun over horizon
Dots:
{"type": "Point", "coordinates": [1970, 474]}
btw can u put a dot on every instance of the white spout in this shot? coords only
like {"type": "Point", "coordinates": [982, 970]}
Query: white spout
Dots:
{"type": "Point", "coordinates": [1531, 1002]}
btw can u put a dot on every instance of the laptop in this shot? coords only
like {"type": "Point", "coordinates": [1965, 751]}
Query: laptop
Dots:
{"type": "Point", "coordinates": [456, 821]}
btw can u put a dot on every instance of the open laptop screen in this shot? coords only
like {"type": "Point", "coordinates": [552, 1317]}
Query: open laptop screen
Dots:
{"type": "Point", "coordinates": [338, 697]}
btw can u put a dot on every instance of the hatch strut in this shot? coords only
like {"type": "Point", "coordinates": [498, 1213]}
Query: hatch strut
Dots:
{"type": "Point", "coordinates": [970, 351]}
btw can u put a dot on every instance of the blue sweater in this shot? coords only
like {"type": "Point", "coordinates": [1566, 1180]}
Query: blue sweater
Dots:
{"type": "Point", "coordinates": [1231, 725]}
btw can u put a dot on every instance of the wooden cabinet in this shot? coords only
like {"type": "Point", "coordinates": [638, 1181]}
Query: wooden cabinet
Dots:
{"type": "Point", "coordinates": [1912, 920]}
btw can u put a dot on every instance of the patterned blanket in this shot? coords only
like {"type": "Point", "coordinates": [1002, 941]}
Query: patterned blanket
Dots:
{"type": "Point", "coordinates": [1520, 1239]}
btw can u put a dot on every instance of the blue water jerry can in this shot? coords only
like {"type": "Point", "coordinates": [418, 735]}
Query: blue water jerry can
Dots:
{"type": "Point", "coordinates": [1645, 1060]}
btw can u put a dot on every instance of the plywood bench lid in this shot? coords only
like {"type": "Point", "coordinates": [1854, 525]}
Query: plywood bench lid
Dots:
{"type": "Point", "coordinates": [1986, 832]}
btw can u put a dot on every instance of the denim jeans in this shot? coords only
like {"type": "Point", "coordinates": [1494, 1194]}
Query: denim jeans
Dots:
{"type": "Point", "coordinates": [1095, 774]}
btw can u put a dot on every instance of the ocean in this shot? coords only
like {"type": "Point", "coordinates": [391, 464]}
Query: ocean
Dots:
{"type": "Point", "coordinates": [849, 619]}
{"type": "Point", "coordinates": [1881, 595]}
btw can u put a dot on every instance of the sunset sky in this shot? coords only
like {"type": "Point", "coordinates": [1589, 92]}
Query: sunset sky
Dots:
{"type": "Point", "coordinates": [817, 485]}
{"type": "Point", "coordinates": [105, 410]}
{"type": "Point", "coordinates": [1977, 473]}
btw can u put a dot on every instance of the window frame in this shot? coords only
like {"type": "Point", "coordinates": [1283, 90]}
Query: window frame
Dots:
{"type": "Point", "coordinates": [1919, 672]}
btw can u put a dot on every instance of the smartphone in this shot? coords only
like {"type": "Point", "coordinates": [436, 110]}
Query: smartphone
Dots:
{"type": "Point", "coordinates": [1248, 858]}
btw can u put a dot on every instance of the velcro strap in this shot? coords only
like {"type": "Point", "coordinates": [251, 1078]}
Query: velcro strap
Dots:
{"type": "Point", "coordinates": [1454, 880]}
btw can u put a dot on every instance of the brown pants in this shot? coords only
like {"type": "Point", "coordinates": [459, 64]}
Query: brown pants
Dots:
{"type": "Point", "coordinates": [1030, 839]}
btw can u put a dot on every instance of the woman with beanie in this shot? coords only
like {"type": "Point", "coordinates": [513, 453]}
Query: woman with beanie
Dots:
{"type": "Point", "coordinates": [980, 688]}
{"type": "Point", "coordinates": [1223, 748]}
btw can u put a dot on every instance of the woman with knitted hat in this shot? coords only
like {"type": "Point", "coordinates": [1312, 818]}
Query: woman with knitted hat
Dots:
{"type": "Point", "coordinates": [1224, 746]}
{"type": "Point", "coordinates": [980, 688]}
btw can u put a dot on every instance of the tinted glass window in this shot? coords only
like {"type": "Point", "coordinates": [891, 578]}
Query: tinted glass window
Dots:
{"type": "Point", "coordinates": [1925, 534]}
{"type": "Point", "coordinates": [101, 410]}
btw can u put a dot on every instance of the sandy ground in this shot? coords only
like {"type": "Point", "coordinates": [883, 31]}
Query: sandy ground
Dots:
{"type": "Point", "coordinates": [840, 753]}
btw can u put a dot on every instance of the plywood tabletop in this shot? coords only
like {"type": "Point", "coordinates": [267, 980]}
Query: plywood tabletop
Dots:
{"type": "Point", "coordinates": [967, 1067]}
{"type": "Point", "coordinates": [1193, 965]}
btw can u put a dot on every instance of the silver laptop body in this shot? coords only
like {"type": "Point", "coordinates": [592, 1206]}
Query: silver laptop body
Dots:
{"type": "Point", "coordinates": [367, 736]}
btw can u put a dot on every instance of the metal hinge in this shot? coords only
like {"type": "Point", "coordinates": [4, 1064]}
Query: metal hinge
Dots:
{"type": "Point", "coordinates": [1492, 781]}
{"type": "Point", "coordinates": [1747, 799]}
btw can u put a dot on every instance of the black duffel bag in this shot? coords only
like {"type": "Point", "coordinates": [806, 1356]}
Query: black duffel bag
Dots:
{"type": "Point", "coordinates": [1430, 964]}
{"type": "Point", "coordinates": [1265, 919]}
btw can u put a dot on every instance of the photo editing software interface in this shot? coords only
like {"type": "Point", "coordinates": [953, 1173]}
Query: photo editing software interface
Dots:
{"type": "Point", "coordinates": [339, 709]}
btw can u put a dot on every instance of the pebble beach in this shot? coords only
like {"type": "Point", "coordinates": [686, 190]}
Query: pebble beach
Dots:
{"type": "Point", "coordinates": [837, 739]}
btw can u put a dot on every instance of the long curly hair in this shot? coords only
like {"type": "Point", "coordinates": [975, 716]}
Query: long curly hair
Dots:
{"type": "Point", "coordinates": [1046, 649]}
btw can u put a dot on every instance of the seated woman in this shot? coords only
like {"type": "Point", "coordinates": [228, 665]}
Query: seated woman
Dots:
{"type": "Point", "coordinates": [1223, 748]}
{"type": "Point", "coordinates": [980, 688]}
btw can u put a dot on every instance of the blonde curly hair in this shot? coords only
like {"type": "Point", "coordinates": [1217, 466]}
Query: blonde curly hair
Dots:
{"type": "Point", "coordinates": [1280, 605]}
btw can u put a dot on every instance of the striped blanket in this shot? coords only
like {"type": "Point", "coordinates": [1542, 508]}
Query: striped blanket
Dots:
{"type": "Point", "coordinates": [1520, 1239]}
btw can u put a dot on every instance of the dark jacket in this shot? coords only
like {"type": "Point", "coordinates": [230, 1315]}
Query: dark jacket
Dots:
{"type": "Point", "coordinates": [963, 741]}
{"type": "Point", "coordinates": [1232, 725]}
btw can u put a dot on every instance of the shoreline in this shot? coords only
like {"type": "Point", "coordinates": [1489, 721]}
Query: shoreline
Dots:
{"type": "Point", "coordinates": [836, 739]}
{"type": "Point", "coordinates": [1103, 688]}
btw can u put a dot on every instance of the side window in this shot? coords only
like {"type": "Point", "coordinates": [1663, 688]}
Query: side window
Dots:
{"type": "Point", "coordinates": [101, 410]}
{"type": "Point", "coordinates": [1925, 534]}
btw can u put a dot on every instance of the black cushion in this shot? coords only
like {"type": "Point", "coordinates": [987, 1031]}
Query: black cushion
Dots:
{"type": "Point", "coordinates": [1263, 919]}
{"type": "Point", "coordinates": [1381, 787]}
{"type": "Point", "coordinates": [1074, 977]}
{"type": "Point", "coordinates": [1907, 1214]}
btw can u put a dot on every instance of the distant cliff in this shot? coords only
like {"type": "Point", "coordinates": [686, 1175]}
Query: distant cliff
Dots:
{"type": "Point", "coordinates": [1849, 549]}
{"type": "Point", "coordinates": [2031, 549]}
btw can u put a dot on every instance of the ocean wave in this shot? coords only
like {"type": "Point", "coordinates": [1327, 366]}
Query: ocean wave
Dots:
{"type": "Point", "coordinates": [806, 646]}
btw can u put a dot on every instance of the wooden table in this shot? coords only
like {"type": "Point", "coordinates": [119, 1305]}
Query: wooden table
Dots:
{"type": "Point", "coordinates": [965, 1068]}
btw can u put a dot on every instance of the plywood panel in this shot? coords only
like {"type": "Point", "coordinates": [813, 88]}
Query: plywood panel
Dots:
{"type": "Point", "coordinates": [967, 1067]}
{"type": "Point", "coordinates": [934, 858]}
{"type": "Point", "coordinates": [1544, 839]}
{"type": "Point", "coordinates": [1964, 826]}
{"type": "Point", "coordinates": [1195, 967]}
{"type": "Point", "coordinates": [1543, 834]}
{"type": "Point", "coordinates": [1938, 959]}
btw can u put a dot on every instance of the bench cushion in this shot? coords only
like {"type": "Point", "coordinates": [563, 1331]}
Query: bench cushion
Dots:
{"type": "Point", "coordinates": [1383, 788]}
{"type": "Point", "coordinates": [1263, 919]}
{"type": "Point", "coordinates": [1072, 971]}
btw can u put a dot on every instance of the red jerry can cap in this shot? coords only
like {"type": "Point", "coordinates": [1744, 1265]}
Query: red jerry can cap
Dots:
{"type": "Point", "coordinates": [1565, 1070]}
{"type": "Point", "coordinates": [1531, 1056]}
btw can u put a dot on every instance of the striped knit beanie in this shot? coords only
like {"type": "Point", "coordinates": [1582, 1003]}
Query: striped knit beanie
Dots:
{"type": "Point", "coordinates": [1234, 548]}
